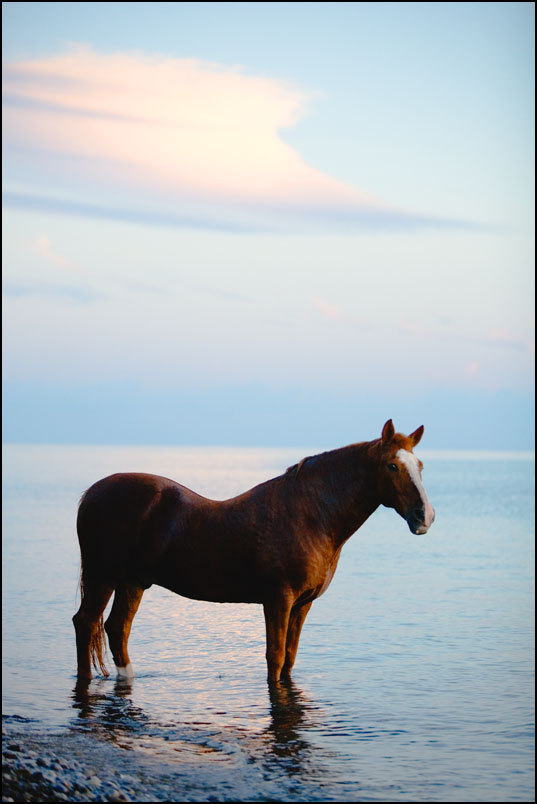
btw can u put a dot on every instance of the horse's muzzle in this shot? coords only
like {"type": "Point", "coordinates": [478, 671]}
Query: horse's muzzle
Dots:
{"type": "Point", "coordinates": [419, 520]}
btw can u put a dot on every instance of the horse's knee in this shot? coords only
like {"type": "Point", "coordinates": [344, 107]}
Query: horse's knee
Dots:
{"type": "Point", "coordinates": [82, 623]}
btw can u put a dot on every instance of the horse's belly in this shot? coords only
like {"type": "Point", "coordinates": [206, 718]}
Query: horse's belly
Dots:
{"type": "Point", "coordinates": [225, 569]}
{"type": "Point", "coordinates": [213, 593]}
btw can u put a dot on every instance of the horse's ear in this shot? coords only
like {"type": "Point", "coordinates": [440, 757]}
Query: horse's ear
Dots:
{"type": "Point", "coordinates": [388, 431]}
{"type": "Point", "coordinates": [415, 437]}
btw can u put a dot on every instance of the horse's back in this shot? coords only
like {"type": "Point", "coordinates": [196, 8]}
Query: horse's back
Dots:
{"type": "Point", "coordinates": [133, 491]}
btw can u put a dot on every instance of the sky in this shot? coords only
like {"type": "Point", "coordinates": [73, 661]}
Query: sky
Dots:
{"type": "Point", "coordinates": [268, 223]}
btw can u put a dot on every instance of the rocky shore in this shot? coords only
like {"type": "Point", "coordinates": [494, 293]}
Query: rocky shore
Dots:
{"type": "Point", "coordinates": [71, 766]}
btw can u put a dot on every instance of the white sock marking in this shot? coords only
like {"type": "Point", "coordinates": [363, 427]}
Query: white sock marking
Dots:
{"type": "Point", "coordinates": [412, 465]}
{"type": "Point", "coordinates": [125, 672]}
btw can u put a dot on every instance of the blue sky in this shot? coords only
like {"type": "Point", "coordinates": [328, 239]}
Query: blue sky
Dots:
{"type": "Point", "coordinates": [268, 223]}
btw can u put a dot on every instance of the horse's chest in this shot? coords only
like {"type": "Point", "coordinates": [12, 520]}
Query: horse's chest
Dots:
{"type": "Point", "coordinates": [328, 573]}
{"type": "Point", "coordinates": [321, 589]}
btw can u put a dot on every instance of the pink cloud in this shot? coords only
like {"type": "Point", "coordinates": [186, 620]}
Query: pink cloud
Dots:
{"type": "Point", "coordinates": [44, 248]}
{"type": "Point", "coordinates": [327, 309]}
{"type": "Point", "coordinates": [472, 368]}
{"type": "Point", "coordinates": [504, 338]}
{"type": "Point", "coordinates": [334, 313]}
{"type": "Point", "coordinates": [172, 137]}
{"type": "Point", "coordinates": [182, 124]}
{"type": "Point", "coordinates": [495, 338]}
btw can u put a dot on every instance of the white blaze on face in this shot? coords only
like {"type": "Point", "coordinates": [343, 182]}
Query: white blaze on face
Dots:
{"type": "Point", "coordinates": [409, 460]}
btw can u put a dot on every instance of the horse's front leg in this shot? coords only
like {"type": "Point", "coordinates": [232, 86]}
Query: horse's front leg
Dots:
{"type": "Point", "coordinates": [276, 613]}
{"type": "Point", "coordinates": [296, 621]}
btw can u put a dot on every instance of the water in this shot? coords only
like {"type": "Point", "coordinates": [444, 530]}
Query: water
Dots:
{"type": "Point", "coordinates": [414, 676]}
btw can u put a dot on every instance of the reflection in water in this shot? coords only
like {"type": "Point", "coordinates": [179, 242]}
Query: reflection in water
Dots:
{"type": "Point", "coordinates": [114, 717]}
{"type": "Point", "coordinates": [107, 715]}
{"type": "Point", "coordinates": [289, 710]}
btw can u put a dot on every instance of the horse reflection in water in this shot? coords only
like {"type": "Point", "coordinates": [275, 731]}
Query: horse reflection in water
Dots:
{"type": "Point", "coordinates": [277, 544]}
{"type": "Point", "coordinates": [291, 715]}
{"type": "Point", "coordinates": [111, 715]}
{"type": "Point", "coordinates": [280, 747]}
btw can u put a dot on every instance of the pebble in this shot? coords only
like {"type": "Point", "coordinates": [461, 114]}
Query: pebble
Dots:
{"type": "Point", "coordinates": [72, 766]}
{"type": "Point", "coordinates": [30, 775]}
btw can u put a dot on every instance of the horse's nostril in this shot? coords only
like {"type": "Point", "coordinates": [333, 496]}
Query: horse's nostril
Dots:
{"type": "Point", "coordinates": [419, 514]}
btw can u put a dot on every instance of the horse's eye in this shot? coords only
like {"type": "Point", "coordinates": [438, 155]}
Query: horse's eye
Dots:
{"type": "Point", "coordinates": [393, 467]}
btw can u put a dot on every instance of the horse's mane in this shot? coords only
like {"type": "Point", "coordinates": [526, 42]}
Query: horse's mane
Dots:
{"type": "Point", "coordinates": [297, 466]}
{"type": "Point", "coordinates": [332, 458]}
{"type": "Point", "coordinates": [322, 483]}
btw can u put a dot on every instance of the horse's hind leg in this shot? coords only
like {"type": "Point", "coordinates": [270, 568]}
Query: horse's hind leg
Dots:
{"type": "Point", "coordinates": [118, 625]}
{"type": "Point", "coordinates": [87, 622]}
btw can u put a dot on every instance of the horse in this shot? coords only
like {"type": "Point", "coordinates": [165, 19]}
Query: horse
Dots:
{"type": "Point", "coordinates": [277, 544]}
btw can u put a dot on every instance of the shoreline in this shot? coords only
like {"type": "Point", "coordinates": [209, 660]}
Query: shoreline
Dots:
{"type": "Point", "coordinates": [76, 766]}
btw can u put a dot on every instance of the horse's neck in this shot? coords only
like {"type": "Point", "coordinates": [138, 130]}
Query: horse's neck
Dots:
{"type": "Point", "coordinates": [341, 485]}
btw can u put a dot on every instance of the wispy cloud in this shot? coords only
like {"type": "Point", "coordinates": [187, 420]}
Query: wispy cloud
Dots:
{"type": "Point", "coordinates": [38, 201]}
{"type": "Point", "coordinates": [66, 281]}
{"type": "Point", "coordinates": [44, 248]}
{"type": "Point", "coordinates": [501, 338]}
{"type": "Point", "coordinates": [49, 290]}
{"type": "Point", "coordinates": [328, 310]}
{"type": "Point", "coordinates": [180, 141]}
{"type": "Point", "coordinates": [336, 314]}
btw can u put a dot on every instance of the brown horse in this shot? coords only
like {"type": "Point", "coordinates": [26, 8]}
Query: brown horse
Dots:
{"type": "Point", "coordinates": [277, 544]}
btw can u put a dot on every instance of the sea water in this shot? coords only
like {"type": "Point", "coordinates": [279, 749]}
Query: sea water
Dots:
{"type": "Point", "coordinates": [415, 673]}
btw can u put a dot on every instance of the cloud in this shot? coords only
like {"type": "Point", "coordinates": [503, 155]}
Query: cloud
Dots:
{"type": "Point", "coordinates": [70, 282]}
{"type": "Point", "coordinates": [173, 141]}
{"type": "Point", "coordinates": [472, 368]}
{"type": "Point", "coordinates": [44, 248]}
{"type": "Point", "coordinates": [210, 219]}
{"type": "Point", "coordinates": [49, 290]}
{"type": "Point", "coordinates": [328, 310]}
{"type": "Point", "coordinates": [334, 313]}
{"type": "Point", "coordinates": [500, 338]}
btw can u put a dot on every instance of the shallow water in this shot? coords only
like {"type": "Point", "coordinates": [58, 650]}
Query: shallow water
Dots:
{"type": "Point", "coordinates": [414, 677]}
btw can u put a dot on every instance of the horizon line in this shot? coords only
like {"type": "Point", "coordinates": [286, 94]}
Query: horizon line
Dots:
{"type": "Point", "coordinates": [432, 453]}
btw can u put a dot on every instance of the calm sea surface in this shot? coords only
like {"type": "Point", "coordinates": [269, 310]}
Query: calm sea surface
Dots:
{"type": "Point", "coordinates": [415, 674]}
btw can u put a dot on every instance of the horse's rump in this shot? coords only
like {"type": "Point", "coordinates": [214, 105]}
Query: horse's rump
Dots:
{"type": "Point", "coordinates": [122, 524]}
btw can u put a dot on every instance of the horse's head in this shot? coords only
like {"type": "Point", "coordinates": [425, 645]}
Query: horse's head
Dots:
{"type": "Point", "coordinates": [400, 481]}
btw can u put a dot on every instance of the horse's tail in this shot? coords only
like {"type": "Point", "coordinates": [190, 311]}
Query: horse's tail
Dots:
{"type": "Point", "coordinates": [98, 640]}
